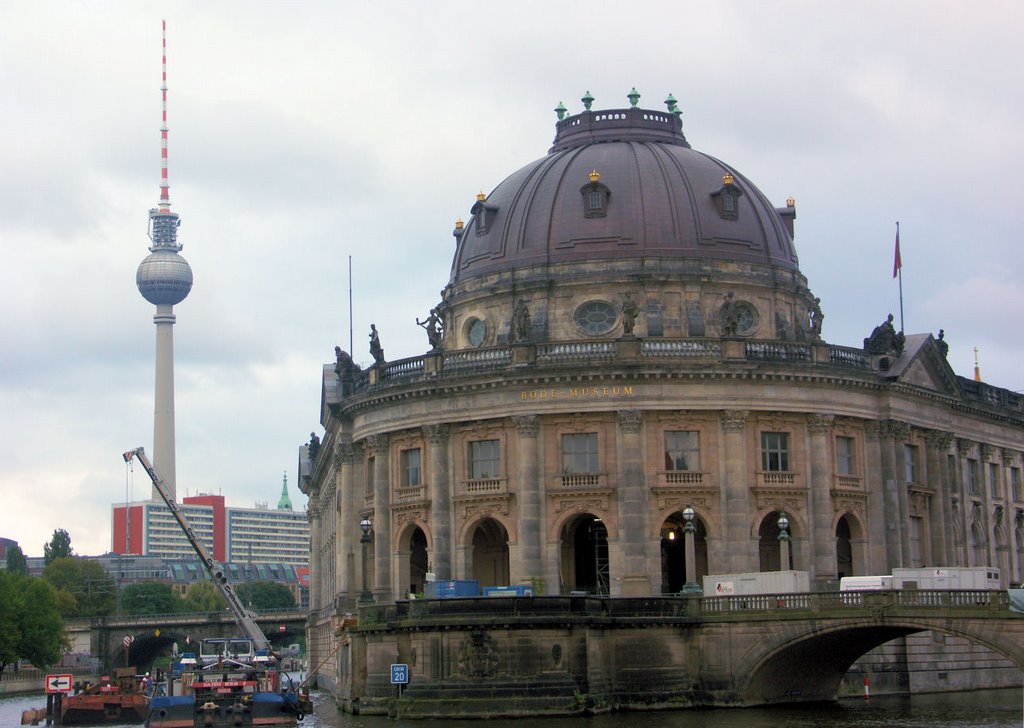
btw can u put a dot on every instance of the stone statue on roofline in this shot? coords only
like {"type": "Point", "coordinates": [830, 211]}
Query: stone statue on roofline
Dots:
{"type": "Point", "coordinates": [435, 329]}
{"type": "Point", "coordinates": [885, 339]}
{"type": "Point", "coordinates": [376, 350]}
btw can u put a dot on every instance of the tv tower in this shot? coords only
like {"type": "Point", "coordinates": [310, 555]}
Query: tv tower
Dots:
{"type": "Point", "coordinates": [164, 278]}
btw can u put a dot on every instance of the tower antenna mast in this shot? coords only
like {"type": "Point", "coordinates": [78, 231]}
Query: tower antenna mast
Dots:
{"type": "Point", "coordinates": [165, 187]}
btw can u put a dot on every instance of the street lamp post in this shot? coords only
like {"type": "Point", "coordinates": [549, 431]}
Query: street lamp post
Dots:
{"type": "Point", "coordinates": [366, 597]}
{"type": "Point", "coordinates": [691, 586]}
{"type": "Point", "coordinates": [783, 524]}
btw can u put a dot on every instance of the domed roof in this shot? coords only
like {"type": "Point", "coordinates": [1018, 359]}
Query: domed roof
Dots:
{"type": "Point", "coordinates": [164, 277]}
{"type": "Point", "coordinates": [622, 183]}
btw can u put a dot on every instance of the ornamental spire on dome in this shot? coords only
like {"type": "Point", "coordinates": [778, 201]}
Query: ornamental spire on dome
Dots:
{"type": "Point", "coordinates": [285, 504]}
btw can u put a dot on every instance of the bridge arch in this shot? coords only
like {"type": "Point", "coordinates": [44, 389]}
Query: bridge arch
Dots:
{"type": "Point", "coordinates": [806, 661]}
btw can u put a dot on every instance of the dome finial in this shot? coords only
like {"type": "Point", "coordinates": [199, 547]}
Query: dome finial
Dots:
{"type": "Point", "coordinates": [587, 100]}
{"type": "Point", "coordinates": [790, 201]}
{"type": "Point", "coordinates": [670, 102]}
{"type": "Point", "coordinates": [633, 96]}
{"type": "Point", "coordinates": [560, 110]}
{"type": "Point", "coordinates": [480, 196]}
{"type": "Point", "coordinates": [459, 224]}
{"type": "Point", "coordinates": [727, 179]}
{"type": "Point", "coordinates": [595, 177]}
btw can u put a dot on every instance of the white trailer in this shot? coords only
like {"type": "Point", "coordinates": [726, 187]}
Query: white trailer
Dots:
{"type": "Point", "coordinates": [865, 583]}
{"type": "Point", "coordinates": [949, 577]}
{"type": "Point", "coordinates": [764, 582]}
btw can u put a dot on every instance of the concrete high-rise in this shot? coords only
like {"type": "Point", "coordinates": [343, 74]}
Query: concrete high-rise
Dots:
{"type": "Point", "coordinates": [164, 278]}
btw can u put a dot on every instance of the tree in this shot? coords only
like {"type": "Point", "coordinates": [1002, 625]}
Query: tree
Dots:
{"type": "Point", "coordinates": [266, 595]}
{"type": "Point", "coordinates": [203, 596]}
{"type": "Point", "coordinates": [93, 589]}
{"type": "Point", "coordinates": [16, 561]}
{"type": "Point", "coordinates": [59, 546]}
{"type": "Point", "coordinates": [150, 597]}
{"type": "Point", "coordinates": [32, 627]}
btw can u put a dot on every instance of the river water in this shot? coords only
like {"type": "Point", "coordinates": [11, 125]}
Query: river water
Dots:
{"type": "Point", "coordinates": [979, 709]}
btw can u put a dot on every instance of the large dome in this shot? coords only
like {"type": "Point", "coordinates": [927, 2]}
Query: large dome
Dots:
{"type": "Point", "coordinates": [622, 183]}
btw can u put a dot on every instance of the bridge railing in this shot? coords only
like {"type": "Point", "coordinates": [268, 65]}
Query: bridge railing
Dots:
{"type": "Point", "coordinates": [829, 601]}
{"type": "Point", "coordinates": [195, 617]}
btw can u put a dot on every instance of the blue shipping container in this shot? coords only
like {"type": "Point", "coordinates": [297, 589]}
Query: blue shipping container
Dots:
{"type": "Point", "coordinates": [519, 590]}
{"type": "Point", "coordinates": [452, 589]}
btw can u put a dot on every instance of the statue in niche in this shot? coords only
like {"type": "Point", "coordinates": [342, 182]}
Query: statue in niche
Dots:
{"type": "Point", "coordinates": [435, 329]}
{"type": "Point", "coordinates": [815, 318]}
{"type": "Point", "coordinates": [376, 350]}
{"type": "Point", "coordinates": [630, 310]}
{"type": "Point", "coordinates": [884, 339]}
{"type": "Point", "coordinates": [729, 314]}
{"type": "Point", "coordinates": [314, 446]}
{"type": "Point", "coordinates": [521, 322]}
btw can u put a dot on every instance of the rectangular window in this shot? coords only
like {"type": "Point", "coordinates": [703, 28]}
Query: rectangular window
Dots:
{"type": "Point", "coordinates": [1015, 483]}
{"type": "Point", "coordinates": [775, 451]}
{"type": "Point", "coordinates": [682, 450]}
{"type": "Point", "coordinates": [579, 453]}
{"type": "Point", "coordinates": [484, 459]}
{"type": "Point", "coordinates": [594, 199]}
{"type": "Point", "coordinates": [972, 476]}
{"type": "Point", "coordinates": [993, 480]}
{"type": "Point", "coordinates": [844, 455]}
{"type": "Point", "coordinates": [411, 467]}
{"type": "Point", "coordinates": [910, 463]}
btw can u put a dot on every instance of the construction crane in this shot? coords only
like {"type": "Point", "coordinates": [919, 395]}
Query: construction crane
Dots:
{"type": "Point", "coordinates": [215, 569]}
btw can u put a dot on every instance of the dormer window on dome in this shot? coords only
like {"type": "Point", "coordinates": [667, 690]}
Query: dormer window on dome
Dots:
{"type": "Point", "coordinates": [483, 214]}
{"type": "Point", "coordinates": [595, 196]}
{"type": "Point", "coordinates": [727, 198]}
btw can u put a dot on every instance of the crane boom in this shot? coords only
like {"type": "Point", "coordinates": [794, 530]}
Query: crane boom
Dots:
{"type": "Point", "coordinates": [215, 569]}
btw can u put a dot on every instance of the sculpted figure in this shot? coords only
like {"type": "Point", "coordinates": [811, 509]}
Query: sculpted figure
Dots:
{"type": "Point", "coordinates": [521, 321]}
{"type": "Point", "coordinates": [435, 329]}
{"type": "Point", "coordinates": [884, 339]}
{"type": "Point", "coordinates": [730, 315]}
{"type": "Point", "coordinates": [314, 445]}
{"type": "Point", "coordinates": [343, 366]}
{"type": "Point", "coordinates": [941, 343]}
{"type": "Point", "coordinates": [629, 313]}
{"type": "Point", "coordinates": [376, 350]}
{"type": "Point", "coordinates": [815, 317]}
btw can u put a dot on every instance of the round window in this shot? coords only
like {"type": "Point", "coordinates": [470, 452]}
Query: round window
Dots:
{"type": "Point", "coordinates": [596, 317]}
{"type": "Point", "coordinates": [746, 318]}
{"type": "Point", "coordinates": [476, 332]}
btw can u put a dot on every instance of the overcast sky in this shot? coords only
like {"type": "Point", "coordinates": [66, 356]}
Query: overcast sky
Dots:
{"type": "Point", "coordinates": [305, 133]}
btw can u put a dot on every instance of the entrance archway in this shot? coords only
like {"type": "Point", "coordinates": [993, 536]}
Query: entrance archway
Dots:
{"type": "Point", "coordinates": [585, 555]}
{"type": "Point", "coordinates": [768, 544]}
{"type": "Point", "coordinates": [490, 553]}
{"type": "Point", "coordinates": [417, 560]}
{"type": "Point", "coordinates": [673, 552]}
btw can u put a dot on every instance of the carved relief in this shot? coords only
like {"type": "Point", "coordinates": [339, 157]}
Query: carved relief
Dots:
{"type": "Point", "coordinates": [478, 656]}
{"type": "Point", "coordinates": [526, 425]}
{"type": "Point", "coordinates": [965, 446]}
{"type": "Point", "coordinates": [987, 452]}
{"type": "Point", "coordinates": [850, 503]}
{"type": "Point", "coordinates": [344, 454]}
{"type": "Point", "coordinates": [918, 504]}
{"type": "Point", "coordinates": [897, 430]}
{"type": "Point", "coordinates": [734, 420]}
{"type": "Point", "coordinates": [581, 505]}
{"type": "Point", "coordinates": [1009, 457]}
{"type": "Point", "coordinates": [378, 444]}
{"type": "Point", "coordinates": [820, 424]}
{"type": "Point", "coordinates": [874, 429]}
{"type": "Point", "coordinates": [436, 434]}
{"type": "Point", "coordinates": [938, 440]}
{"type": "Point", "coordinates": [630, 421]}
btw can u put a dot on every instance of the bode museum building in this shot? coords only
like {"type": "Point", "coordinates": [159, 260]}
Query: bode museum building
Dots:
{"type": "Point", "coordinates": [626, 333]}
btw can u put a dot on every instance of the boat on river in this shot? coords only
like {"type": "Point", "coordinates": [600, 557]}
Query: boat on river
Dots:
{"type": "Point", "coordinates": [230, 684]}
{"type": "Point", "coordinates": [109, 702]}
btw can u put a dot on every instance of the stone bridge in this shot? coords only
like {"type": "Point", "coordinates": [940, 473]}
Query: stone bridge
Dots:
{"type": "Point", "coordinates": [155, 634]}
{"type": "Point", "coordinates": [518, 656]}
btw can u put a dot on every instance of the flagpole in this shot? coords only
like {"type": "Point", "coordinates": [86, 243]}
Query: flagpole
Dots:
{"type": "Point", "coordinates": [899, 270]}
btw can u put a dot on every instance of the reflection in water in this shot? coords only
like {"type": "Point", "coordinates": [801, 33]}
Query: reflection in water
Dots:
{"type": "Point", "coordinates": [981, 709]}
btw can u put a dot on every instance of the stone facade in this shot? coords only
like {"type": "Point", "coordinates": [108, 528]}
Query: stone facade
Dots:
{"type": "Point", "coordinates": [551, 442]}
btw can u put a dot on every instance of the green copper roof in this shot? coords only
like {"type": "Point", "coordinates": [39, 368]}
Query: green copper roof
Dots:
{"type": "Point", "coordinates": [285, 504]}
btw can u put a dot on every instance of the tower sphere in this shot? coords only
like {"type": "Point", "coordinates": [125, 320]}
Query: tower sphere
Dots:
{"type": "Point", "coordinates": [164, 277]}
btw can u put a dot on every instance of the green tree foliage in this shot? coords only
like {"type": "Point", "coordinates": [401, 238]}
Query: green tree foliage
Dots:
{"type": "Point", "coordinates": [32, 628]}
{"type": "Point", "coordinates": [59, 546]}
{"type": "Point", "coordinates": [16, 561]}
{"type": "Point", "coordinates": [203, 596]}
{"type": "Point", "coordinates": [266, 595]}
{"type": "Point", "coordinates": [93, 589]}
{"type": "Point", "coordinates": [150, 597]}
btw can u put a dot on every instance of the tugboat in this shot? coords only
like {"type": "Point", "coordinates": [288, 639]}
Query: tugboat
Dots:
{"type": "Point", "coordinates": [108, 702]}
{"type": "Point", "coordinates": [235, 681]}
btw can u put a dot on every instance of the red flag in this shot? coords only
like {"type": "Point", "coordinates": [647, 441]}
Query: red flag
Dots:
{"type": "Point", "coordinates": [897, 262]}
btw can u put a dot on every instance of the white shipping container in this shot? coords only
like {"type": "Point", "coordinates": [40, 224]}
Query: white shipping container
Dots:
{"type": "Point", "coordinates": [763, 582]}
{"type": "Point", "coordinates": [865, 583]}
{"type": "Point", "coordinates": [950, 577]}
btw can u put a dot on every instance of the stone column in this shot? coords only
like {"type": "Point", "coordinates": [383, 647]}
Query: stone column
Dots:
{"type": "Point", "coordinates": [315, 566]}
{"type": "Point", "coordinates": [344, 462]}
{"type": "Point", "coordinates": [937, 443]}
{"type": "Point", "coordinates": [891, 483]}
{"type": "Point", "coordinates": [736, 495]}
{"type": "Point", "coordinates": [440, 501]}
{"type": "Point", "coordinates": [901, 436]}
{"type": "Point", "coordinates": [382, 591]}
{"type": "Point", "coordinates": [823, 540]}
{"type": "Point", "coordinates": [528, 493]}
{"type": "Point", "coordinates": [632, 502]}
{"type": "Point", "coordinates": [874, 486]}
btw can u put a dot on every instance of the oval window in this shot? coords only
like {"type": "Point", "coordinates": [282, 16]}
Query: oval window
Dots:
{"type": "Point", "coordinates": [476, 332]}
{"type": "Point", "coordinates": [596, 317]}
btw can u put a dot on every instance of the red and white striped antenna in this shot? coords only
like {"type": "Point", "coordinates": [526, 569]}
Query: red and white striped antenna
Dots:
{"type": "Point", "coordinates": [165, 187]}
